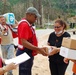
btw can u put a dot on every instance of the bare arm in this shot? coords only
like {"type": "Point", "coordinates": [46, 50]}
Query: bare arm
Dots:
{"type": "Point", "coordinates": [28, 45]}
{"type": "Point", "coordinates": [16, 24]}
{"type": "Point", "coordinates": [7, 68]}
{"type": "Point", "coordinates": [73, 60]}
{"type": "Point", "coordinates": [66, 60]}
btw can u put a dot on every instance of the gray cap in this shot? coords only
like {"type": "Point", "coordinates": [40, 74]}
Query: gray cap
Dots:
{"type": "Point", "coordinates": [33, 11]}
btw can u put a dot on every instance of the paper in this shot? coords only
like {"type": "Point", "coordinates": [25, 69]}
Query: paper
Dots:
{"type": "Point", "coordinates": [18, 59]}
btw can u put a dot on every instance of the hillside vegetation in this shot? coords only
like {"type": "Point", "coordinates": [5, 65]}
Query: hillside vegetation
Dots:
{"type": "Point", "coordinates": [47, 8]}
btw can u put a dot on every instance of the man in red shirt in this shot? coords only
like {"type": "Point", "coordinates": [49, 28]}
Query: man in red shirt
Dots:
{"type": "Point", "coordinates": [28, 41]}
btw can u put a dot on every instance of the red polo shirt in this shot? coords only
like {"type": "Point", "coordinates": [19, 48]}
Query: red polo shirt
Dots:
{"type": "Point", "coordinates": [26, 31]}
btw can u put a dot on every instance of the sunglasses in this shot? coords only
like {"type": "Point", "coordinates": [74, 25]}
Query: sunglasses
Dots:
{"type": "Point", "coordinates": [35, 16]}
{"type": "Point", "coordinates": [57, 26]}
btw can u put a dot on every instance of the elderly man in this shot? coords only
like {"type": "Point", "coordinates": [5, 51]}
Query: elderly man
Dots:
{"type": "Point", "coordinates": [28, 41]}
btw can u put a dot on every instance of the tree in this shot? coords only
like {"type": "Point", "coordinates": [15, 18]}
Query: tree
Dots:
{"type": "Point", "coordinates": [5, 6]}
{"type": "Point", "coordinates": [38, 5]}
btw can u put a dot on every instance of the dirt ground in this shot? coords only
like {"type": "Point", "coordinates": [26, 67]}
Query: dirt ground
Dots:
{"type": "Point", "coordinates": [41, 64]}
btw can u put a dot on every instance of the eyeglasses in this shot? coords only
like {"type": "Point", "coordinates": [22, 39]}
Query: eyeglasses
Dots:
{"type": "Point", "coordinates": [57, 26]}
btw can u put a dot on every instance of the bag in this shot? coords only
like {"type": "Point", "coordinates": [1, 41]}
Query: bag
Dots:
{"type": "Point", "coordinates": [1, 63]}
{"type": "Point", "coordinates": [14, 34]}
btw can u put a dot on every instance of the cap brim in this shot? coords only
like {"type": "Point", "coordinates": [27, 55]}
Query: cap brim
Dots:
{"type": "Point", "coordinates": [38, 15]}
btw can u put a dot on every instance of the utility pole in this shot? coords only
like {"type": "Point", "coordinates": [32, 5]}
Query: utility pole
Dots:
{"type": "Point", "coordinates": [40, 11]}
{"type": "Point", "coordinates": [38, 4]}
{"type": "Point", "coordinates": [48, 20]}
{"type": "Point", "coordinates": [42, 17]}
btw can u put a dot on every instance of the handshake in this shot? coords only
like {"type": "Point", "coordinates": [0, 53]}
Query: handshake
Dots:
{"type": "Point", "coordinates": [48, 50]}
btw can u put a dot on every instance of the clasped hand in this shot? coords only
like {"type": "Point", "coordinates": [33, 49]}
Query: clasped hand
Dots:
{"type": "Point", "coordinates": [55, 50]}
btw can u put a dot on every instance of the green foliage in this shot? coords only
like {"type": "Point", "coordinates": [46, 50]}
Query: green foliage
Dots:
{"type": "Point", "coordinates": [51, 7]}
{"type": "Point", "coordinates": [13, 2]}
{"type": "Point", "coordinates": [0, 6]}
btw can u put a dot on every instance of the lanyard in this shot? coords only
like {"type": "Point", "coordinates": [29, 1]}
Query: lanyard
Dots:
{"type": "Point", "coordinates": [32, 30]}
{"type": "Point", "coordinates": [28, 24]}
{"type": "Point", "coordinates": [5, 27]}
